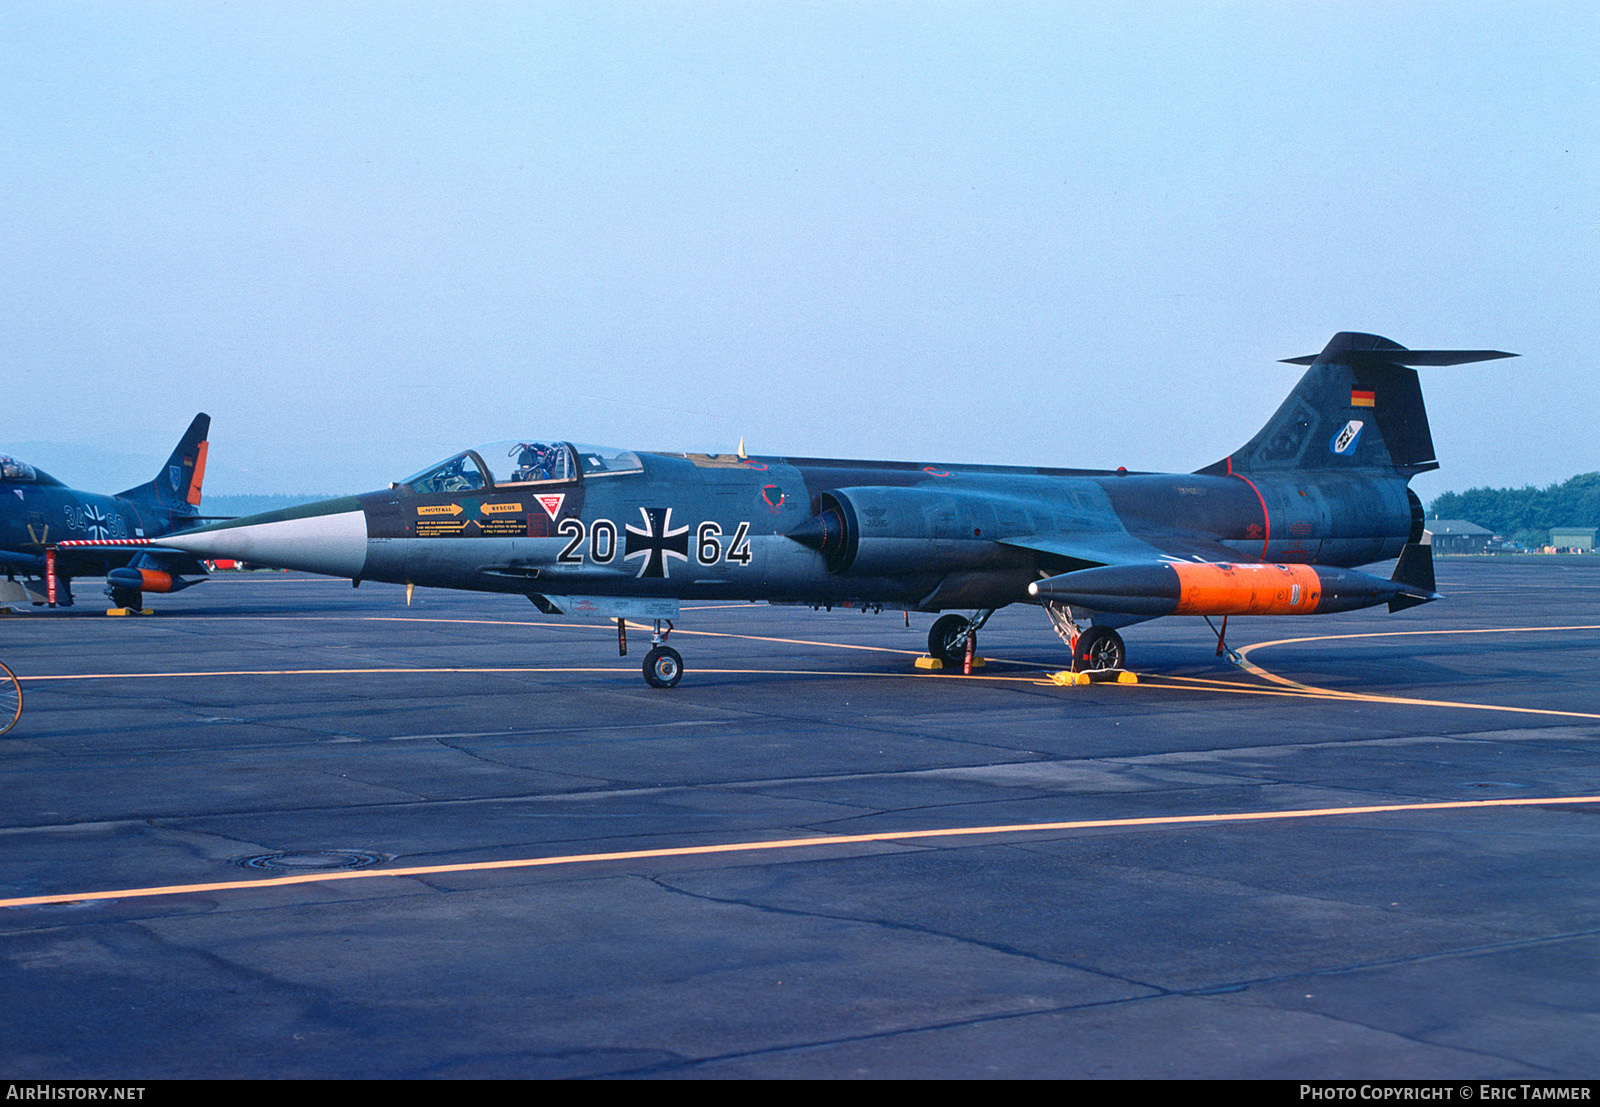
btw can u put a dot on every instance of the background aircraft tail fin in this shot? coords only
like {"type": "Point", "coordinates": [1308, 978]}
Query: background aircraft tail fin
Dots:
{"type": "Point", "coordinates": [1359, 406]}
{"type": "Point", "coordinates": [175, 490]}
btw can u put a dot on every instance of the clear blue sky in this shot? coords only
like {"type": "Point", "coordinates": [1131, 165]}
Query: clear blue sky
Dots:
{"type": "Point", "coordinates": [364, 235]}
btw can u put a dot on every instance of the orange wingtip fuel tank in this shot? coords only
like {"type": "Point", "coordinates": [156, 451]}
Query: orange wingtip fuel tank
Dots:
{"type": "Point", "coordinates": [1220, 588]}
{"type": "Point", "coordinates": [144, 580]}
{"type": "Point", "coordinates": [1249, 589]}
{"type": "Point", "coordinates": [155, 581]}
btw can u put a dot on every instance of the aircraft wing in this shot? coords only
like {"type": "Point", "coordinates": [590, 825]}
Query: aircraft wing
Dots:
{"type": "Point", "coordinates": [1121, 548]}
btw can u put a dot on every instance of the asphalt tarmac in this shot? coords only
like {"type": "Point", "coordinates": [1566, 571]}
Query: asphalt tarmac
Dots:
{"type": "Point", "coordinates": [1424, 902]}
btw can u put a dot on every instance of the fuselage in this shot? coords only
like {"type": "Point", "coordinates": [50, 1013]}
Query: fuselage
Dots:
{"type": "Point", "coordinates": [726, 527]}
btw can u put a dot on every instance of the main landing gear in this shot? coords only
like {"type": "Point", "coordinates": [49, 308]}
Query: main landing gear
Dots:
{"type": "Point", "coordinates": [1093, 648]}
{"type": "Point", "coordinates": [1099, 648]}
{"type": "Point", "coordinates": [954, 639]}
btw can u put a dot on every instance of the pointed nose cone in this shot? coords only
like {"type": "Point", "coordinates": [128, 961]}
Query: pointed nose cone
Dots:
{"type": "Point", "coordinates": [326, 537]}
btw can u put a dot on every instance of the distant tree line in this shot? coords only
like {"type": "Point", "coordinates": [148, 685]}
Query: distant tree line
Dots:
{"type": "Point", "coordinates": [1526, 515]}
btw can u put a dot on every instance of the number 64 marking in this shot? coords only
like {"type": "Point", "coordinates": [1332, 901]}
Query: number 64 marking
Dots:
{"type": "Point", "coordinates": [708, 550]}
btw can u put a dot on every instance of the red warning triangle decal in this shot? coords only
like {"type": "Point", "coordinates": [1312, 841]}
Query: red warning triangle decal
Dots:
{"type": "Point", "coordinates": [552, 503]}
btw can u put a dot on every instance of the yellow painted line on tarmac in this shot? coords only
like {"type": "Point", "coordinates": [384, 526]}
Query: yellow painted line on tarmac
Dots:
{"type": "Point", "coordinates": [1414, 634]}
{"type": "Point", "coordinates": [789, 844]}
{"type": "Point", "coordinates": [1316, 692]}
{"type": "Point", "coordinates": [1159, 683]}
{"type": "Point", "coordinates": [606, 626]}
{"type": "Point", "coordinates": [631, 671]}
{"type": "Point", "coordinates": [1285, 686]}
{"type": "Point", "coordinates": [783, 641]}
{"type": "Point", "coordinates": [308, 672]}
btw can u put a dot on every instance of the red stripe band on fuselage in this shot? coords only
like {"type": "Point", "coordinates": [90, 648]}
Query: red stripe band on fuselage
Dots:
{"type": "Point", "coordinates": [1266, 523]}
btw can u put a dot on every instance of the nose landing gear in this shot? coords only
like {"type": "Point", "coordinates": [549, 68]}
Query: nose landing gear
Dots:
{"type": "Point", "coordinates": [663, 665]}
{"type": "Point", "coordinates": [1094, 648]}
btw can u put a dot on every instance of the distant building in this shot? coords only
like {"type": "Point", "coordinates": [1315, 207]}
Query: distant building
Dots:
{"type": "Point", "coordinates": [1456, 536]}
{"type": "Point", "coordinates": [1572, 538]}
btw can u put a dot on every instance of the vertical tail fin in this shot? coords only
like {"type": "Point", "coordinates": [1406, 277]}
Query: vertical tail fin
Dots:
{"type": "Point", "coordinates": [1359, 406]}
{"type": "Point", "coordinates": [175, 490]}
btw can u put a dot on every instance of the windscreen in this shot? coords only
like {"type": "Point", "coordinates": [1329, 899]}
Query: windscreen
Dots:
{"type": "Point", "coordinates": [523, 461]}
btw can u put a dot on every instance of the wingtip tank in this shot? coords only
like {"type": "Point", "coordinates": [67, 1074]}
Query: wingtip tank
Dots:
{"type": "Point", "coordinates": [1212, 588]}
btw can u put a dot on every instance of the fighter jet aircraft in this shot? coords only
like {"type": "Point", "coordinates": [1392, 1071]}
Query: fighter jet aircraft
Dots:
{"type": "Point", "coordinates": [50, 534]}
{"type": "Point", "coordinates": [1275, 528]}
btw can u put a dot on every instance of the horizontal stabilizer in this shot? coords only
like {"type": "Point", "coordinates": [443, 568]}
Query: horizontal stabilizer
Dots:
{"type": "Point", "coordinates": [1412, 357]}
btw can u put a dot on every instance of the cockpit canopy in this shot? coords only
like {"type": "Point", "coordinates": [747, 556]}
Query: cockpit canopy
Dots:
{"type": "Point", "coordinates": [13, 471]}
{"type": "Point", "coordinates": [533, 461]}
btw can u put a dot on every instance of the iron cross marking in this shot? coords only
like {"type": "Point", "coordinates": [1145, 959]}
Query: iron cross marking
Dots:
{"type": "Point", "coordinates": [656, 542]}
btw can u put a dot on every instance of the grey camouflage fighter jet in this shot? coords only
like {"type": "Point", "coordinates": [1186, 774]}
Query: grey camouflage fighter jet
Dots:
{"type": "Point", "coordinates": [51, 534]}
{"type": "Point", "coordinates": [1276, 528]}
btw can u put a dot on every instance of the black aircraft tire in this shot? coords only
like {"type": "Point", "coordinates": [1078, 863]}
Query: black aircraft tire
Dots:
{"type": "Point", "coordinates": [942, 636]}
{"type": "Point", "coordinates": [663, 667]}
{"type": "Point", "coordinates": [131, 600]}
{"type": "Point", "coordinates": [1099, 648]}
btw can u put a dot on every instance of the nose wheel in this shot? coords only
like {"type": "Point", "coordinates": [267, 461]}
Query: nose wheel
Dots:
{"type": "Point", "coordinates": [663, 665]}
